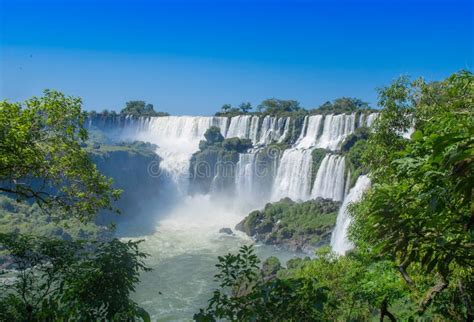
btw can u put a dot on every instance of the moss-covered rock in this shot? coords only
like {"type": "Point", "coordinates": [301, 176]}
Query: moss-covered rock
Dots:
{"type": "Point", "coordinates": [317, 157]}
{"type": "Point", "coordinates": [296, 226]}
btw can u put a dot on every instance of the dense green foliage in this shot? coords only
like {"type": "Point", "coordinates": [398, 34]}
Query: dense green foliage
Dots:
{"type": "Point", "coordinates": [245, 295]}
{"type": "Point", "coordinates": [140, 108]}
{"type": "Point", "coordinates": [354, 148]}
{"type": "Point", "coordinates": [299, 226]}
{"type": "Point", "coordinates": [420, 209]}
{"type": "Point", "coordinates": [45, 166]}
{"type": "Point", "coordinates": [23, 218]}
{"type": "Point", "coordinates": [342, 105]}
{"type": "Point", "coordinates": [70, 280]}
{"type": "Point", "coordinates": [284, 108]}
{"type": "Point", "coordinates": [229, 110]}
{"type": "Point", "coordinates": [413, 229]}
{"type": "Point", "coordinates": [357, 285]}
{"type": "Point", "coordinates": [41, 158]}
{"type": "Point", "coordinates": [274, 106]}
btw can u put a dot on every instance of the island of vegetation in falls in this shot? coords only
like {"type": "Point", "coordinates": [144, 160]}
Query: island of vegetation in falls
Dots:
{"type": "Point", "coordinates": [297, 226]}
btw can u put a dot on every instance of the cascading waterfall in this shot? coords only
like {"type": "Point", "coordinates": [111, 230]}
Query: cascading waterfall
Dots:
{"type": "Point", "coordinates": [239, 127]}
{"type": "Point", "coordinates": [336, 128]}
{"type": "Point", "coordinates": [339, 241]}
{"type": "Point", "coordinates": [177, 138]}
{"type": "Point", "coordinates": [310, 131]}
{"type": "Point", "coordinates": [245, 176]}
{"type": "Point", "coordinates": [273, 129]}
{"type": "Point", "coordinates": [253, 135]}
{"type": "Point", "coordinates": [247, 127]}
{"type": "Point", "coordinates": [293, 176]}
{"type": "Point", "coordinates": [329, 182]}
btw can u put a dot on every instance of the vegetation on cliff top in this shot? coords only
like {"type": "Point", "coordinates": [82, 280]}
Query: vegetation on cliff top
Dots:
{"type": "Point", "coordinates": [132, 108]}
{"type": "Point", "coordinates": [280, 107]}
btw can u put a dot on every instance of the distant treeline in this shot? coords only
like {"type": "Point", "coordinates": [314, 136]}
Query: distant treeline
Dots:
{"type": "Point", "coordinates": [274, 106]}
{"type": "Point", "coordinates": [134, 108]}
{"type": "Point", "coordinates": [271, 106]}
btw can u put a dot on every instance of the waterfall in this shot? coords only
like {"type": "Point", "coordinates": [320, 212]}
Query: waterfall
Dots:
{"type": "Point", "coordinates": [177, 138]}
{"type": "Point", "coordinates": [245, 177]}
{"type": "Point", "coordinates": [329, 182]}
{"type": "Point", "coordinates": [335, 129]}
{"type": "Point", "coordinates": [254, 129]}
{"type": "Point", "coordinates": [310, 131]}
{"type": "Point", "coordinates": [247, 127]}
{"type": "Point", "coordinates": [339, 241]}
{"type": "Point", "coordinates": [370, 118]}
{"type": "Point", "coordinates": [293, 175]}
{"type": "Point", "coordinates": [273, 129]}
{"type": "Point", "coordinates": [239, 127]}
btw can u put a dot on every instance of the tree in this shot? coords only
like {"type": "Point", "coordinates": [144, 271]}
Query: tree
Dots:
{"type": "Point", "coordinates": [243, 294]}
{"type": "Point", "coordinates": [420, 210]}
{"type": "Point", "coordinates": [276, 106]}
{"type": "Point", "coordinates": [42, 161]}
{"type": "Point", "coordinates": [140, 108]}
{"type": "Point", "coordinates": [343, 105]}
{"type": "Point", "coordinates": [213, 135]}
{"type": "Point", "coordinates": [226, 108]}
{"type": "Point", "coordinates": [68, 280]}
{"type": "Point", "coordinates": [245, 107]}
{"type": "Point", "coordinates": [41, 158]}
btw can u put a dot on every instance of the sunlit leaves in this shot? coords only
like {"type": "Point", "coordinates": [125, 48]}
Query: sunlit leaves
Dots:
{"type": "Point", "coordinates": [41, 158]}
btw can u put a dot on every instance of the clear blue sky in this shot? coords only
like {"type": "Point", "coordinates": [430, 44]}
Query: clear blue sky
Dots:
{"type": "Point", "coordinates": [190, 57]}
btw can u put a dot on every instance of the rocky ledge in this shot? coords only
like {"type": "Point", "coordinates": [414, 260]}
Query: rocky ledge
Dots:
{"type": "Point", "coordinates": [302, 226]}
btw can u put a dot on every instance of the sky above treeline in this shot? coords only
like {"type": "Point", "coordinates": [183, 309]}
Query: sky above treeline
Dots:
{"type": "Point", "coordinates": [191, 57]}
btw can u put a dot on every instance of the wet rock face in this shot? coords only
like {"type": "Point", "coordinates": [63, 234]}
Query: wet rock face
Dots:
{"type": "Point", "coordinates": [298, 227]}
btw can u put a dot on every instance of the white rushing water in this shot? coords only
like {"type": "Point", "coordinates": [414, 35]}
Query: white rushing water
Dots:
{"type": "Point", "coordinates": [273, 129]}
{"type": "Point", "coordinates": [239, 127]}
{"type": "Point", "coordinates": [310, 132]}
{"type": "Point", "coordinates": [335, 129]}
{"type": "Point", "coordinates": [339, 241]}
{"type": "Point", "coordinates": [177, 138]}
{"type": "Point", "coordinates": [245, 177]}
{"type": "Point", "coordinates": [329, 182]}
{"type": "Point", "coordinates": [293, 177]}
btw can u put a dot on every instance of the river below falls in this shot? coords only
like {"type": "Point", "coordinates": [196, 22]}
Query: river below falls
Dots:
{"type": "Point", "coordinates": [183, 253]}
